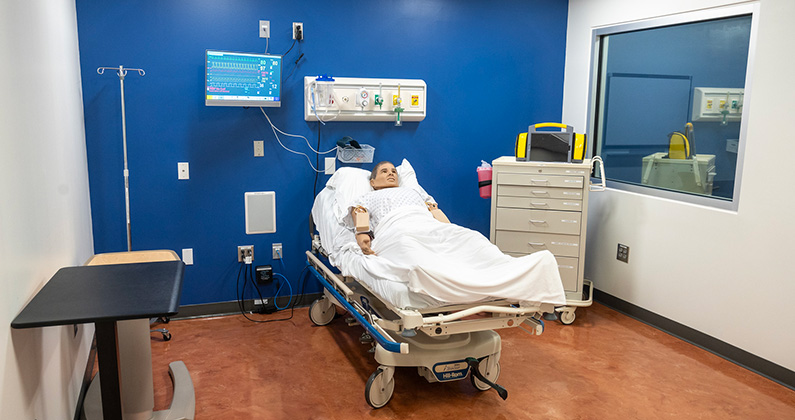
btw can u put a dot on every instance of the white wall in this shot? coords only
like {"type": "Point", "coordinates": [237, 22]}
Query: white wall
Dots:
{"type": "Point", "coordinates": [730, 275]}
{"type": "Point", "coordinates": [45, 220]}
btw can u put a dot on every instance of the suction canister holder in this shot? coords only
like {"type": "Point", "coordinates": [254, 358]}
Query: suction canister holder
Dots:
{"type": "Point", "coordinates": [324, 90]}
{"type": "Point", "coordinates": [484, 179]}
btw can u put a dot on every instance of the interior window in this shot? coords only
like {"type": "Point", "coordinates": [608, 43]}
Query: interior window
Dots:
{"type": "Point", "coordinates": [669, 106]}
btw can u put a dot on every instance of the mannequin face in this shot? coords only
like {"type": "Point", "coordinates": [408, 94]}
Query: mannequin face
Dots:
{"type": "Point", "coordinates": [385, 177]}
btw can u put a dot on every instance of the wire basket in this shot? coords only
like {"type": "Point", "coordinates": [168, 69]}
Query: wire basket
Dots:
{"type": "Point", "coordinates": [351, 155]}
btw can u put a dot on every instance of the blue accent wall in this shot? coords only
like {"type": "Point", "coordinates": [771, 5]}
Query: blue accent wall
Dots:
{"type": "Point", "coordinates": [492, 68]}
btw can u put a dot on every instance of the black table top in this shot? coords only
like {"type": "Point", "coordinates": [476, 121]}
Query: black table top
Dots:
{"type": "Point", "coordinates": [76, 295]}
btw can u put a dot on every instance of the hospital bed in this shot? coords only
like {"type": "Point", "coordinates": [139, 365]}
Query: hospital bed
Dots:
{"type": "Point", "coordinates": [445, 342]}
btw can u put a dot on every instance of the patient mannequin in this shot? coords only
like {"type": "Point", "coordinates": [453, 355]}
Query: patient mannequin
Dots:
{"type": "Point", "coordinates": [375, 205]}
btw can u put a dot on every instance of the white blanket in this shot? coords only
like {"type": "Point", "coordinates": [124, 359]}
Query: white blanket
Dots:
{"type": "Point", "coordinates": [422, 262]}
{"type": "Point", "coordinates": [457, 265]}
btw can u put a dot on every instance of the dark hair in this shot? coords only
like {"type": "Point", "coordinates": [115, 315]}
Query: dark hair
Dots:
{"type": "Point", "coordinates": [378, 165]}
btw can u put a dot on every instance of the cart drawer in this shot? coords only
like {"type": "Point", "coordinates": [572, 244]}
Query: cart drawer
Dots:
{"type": "Point", "coordinates": [539, 203]}
{"type": "Point", "coordinates": [540, 192]}
{"type": "Point", "coordinates": [568, 268]}
{"type": "Point", "coordinates": [528, 243]}
{"type": "Point", "coordinates": [539, 180]}
{"type": "Point", "coordinates": [544, 221]}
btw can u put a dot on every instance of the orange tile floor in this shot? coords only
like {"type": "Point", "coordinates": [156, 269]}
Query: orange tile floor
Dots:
{"type": "Point", "coordinates": [604, 366]}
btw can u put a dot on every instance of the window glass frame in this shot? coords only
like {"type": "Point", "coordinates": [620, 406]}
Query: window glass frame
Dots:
{"type": "Point", "coordinates": [596, 97]}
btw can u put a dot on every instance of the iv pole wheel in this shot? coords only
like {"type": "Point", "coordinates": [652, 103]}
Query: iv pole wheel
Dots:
{"type": "Point", "coordinates": [567, 317]}
{"type": "Point", "coordinates": [321, 312]}
{"type": "Point", "coordinates": [376, 392]}
{"type": "Point", "coordinates": [492, 376]}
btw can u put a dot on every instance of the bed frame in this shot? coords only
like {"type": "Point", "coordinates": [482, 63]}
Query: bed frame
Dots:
{"type": "Point", "coordinates": [445, 343]}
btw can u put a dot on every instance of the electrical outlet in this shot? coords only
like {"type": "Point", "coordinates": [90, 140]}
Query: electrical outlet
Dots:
{"type": "Point", "coordinates": [277, 251]}
{"type": "Point", "coordinates": [623, 253]}
{"type": "Point", "coordinates": [244, 251]}
{"type": "Point", "coordinates": [259, 148]}
{"type": "Point", "coordinates": [261, 302]}
{"type": "Point", "coordinates": [298, 31]}
{"type": "Point", "coordinates": [264, 29]}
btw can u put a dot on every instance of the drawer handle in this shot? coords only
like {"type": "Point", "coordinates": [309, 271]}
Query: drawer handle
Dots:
{"type": "Point", "coordinates": [536, 244]}
{"type": "Point", "coordinates": [538, 222]}
{"type": "Point", "coordinates": [540, 204]}
{"type": "Point", "coordinates": [538, 181]}
{"type": "Point", "coordinates": [540, 192]}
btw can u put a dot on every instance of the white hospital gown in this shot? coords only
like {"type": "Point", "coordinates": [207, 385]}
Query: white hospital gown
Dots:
{"type": "Point", "coordinates": [381, 202]}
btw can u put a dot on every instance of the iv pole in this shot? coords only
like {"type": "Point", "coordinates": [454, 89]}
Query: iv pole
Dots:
{"type": "Point", "coordinates": [121, 72]}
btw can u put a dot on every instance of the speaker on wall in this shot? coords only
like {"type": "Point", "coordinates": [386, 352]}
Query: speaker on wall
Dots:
{"type": "Point", "coordinates": [260, 212]}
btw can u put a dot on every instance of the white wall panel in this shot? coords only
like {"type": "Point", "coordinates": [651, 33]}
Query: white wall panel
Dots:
{"type": "Point", "coordinates": [45, 220]}
{"type": "Point", "coordinates": [727, 274]}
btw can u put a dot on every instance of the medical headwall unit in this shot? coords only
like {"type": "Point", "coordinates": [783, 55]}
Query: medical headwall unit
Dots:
{"type": "Point", "coordinates": [718, 104]}
{"type": "Point", "coordinates": [242, 79]}
{"type": "Point", "coordinates": [538, 206]}
{"type": "Point", "coordinates": [329, 98]}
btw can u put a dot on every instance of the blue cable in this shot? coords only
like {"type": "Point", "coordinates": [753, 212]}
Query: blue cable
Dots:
{"type": "Point", "coordinates": [280, 288]}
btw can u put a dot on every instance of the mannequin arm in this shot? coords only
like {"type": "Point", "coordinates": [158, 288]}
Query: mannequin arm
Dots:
{"type": "Point", "coordinates": [437, 213]}
{"type": "Point", "coordinates": [361, 223]}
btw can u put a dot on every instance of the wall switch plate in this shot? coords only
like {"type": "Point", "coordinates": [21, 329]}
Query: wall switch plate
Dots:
{"type": "Point", "coordinates": [623, 253]}
{"type": "Point", "coordinates": [277, 251]}
{"type": "Point", "coordinates": [183, 172]}
{"type": "Point", "coordinates": [298, 31]}
{"type": "Point", "coordinates": [331, 165]}
{"type": "Point", "coordinates": [259, 148]}
{"type": "Point", "coordinates": [187, 256]}
{"type": "Point", "coordinates": [264, 29]}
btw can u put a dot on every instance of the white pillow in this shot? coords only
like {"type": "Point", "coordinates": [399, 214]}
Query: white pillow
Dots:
{"type": "Point", "coordinates": [351, 183]}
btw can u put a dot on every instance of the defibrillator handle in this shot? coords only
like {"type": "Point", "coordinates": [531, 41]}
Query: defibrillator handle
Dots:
{"type": "Point", "coordinates": [567, 128]}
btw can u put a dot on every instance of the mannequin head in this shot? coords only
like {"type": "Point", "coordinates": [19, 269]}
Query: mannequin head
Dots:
{"type": "Point", "coordinates": [384, 175]}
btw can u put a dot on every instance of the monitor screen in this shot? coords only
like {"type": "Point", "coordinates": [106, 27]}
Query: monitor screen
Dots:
{"type": "Point", "coordinates": [242, 79]}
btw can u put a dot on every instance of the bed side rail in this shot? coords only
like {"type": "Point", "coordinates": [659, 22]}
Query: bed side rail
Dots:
{"type": "Point", "coordinates": [370, 323]}
{"type": "Point", "coordinates": [329, 276]}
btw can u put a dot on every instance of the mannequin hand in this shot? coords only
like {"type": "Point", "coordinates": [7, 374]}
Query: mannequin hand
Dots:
{"type": "Point", "coordinates": [363, 239]}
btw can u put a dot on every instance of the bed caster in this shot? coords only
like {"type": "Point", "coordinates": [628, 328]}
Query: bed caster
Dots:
{"type": "Point", "coordinates": [321, 311]}
{"type": "Point", "coordinates": [566, 317]}
{"type": "Point", "coordinates": [166, 336]}
{"type": "Point", "coordinates": [492, 374]}
{"type": "Point", "coordinates": [380, 387]}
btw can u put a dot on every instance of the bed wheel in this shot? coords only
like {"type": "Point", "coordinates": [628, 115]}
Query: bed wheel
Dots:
{"type": "Point", "coordinates": [492, 376]}
{"type": "Point", "coordinates": [322, 311]}
{"type": "Point", "coordinates": [380, 387]}
{"type": "Point", "coordinates": [566, 317]}
{"type": "Point", "coordinates": [166, 336]}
